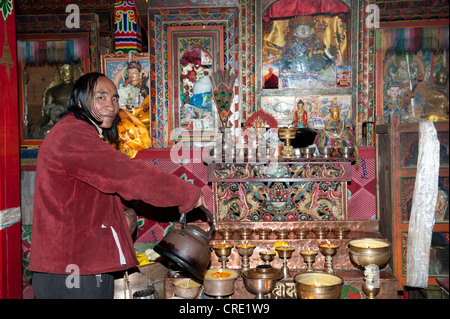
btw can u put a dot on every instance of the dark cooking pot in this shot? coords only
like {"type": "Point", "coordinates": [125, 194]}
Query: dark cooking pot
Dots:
{"type": "Point", "coordinates": [188, 247]}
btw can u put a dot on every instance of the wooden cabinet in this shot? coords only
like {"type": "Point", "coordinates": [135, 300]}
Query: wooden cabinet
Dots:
{"type": "Point", "coordinates": [397, 154]}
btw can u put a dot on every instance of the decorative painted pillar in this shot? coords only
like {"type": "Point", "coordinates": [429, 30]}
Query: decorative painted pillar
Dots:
{"type": "Point", "coordinates": [10, 242]}
{"type": "Point", "coordinates": [127, 27]}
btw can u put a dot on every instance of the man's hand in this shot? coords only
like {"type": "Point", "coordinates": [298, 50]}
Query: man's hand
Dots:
{"type": "Point", "coordinates": [200, 202]}
{"type": "Point", "coordinates": [131, 216]}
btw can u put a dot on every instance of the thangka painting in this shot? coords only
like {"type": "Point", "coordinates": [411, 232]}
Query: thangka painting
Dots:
{"type": "Point", "coordinates": [283, 108]}
{"type": "Point", "coordinates": [303, 47]}
{"type": "Point", "coordinates": [130, 74]}
{"type": "Point", "coordinates": [405, 82]}
{"type": "Point", "coordinates": [279, 201]}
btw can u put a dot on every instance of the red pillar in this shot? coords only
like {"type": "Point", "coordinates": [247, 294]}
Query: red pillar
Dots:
{"type": "Point", "coordinates": [10, 242]}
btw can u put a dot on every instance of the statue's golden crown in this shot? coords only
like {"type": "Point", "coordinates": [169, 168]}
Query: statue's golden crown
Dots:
{"type": "Point", "coordinates": [299, 20]}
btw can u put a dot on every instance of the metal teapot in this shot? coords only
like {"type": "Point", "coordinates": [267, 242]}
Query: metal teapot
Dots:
{"type": "Point", "coordinates": [188, 247]}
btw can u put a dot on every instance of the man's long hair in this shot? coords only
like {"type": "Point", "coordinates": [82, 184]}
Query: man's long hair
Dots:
{"type": "Point", "coordinates": [82, 100]}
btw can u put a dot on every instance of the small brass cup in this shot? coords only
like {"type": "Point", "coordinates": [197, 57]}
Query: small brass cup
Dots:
{"type": "Point", "coordinates": [321, 232]}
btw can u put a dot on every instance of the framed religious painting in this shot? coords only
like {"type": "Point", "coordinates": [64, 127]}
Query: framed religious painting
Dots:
{"type": "Point", "coordinates": [48, 67]}
{"type": "Point", "coordinates": [130, 74]}
{"type": "Point", "coordinates": [195, 53]}
{"type": "Point", "coordinates": [306, 46]}
{"type": "Point", "coordinates": [413, 77]}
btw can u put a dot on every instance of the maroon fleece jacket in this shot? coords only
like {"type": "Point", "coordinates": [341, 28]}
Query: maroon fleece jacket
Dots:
{"type": "Point", "coordinates": [77, 206]}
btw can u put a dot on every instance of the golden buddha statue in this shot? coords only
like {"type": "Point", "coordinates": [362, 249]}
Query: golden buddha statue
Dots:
{"type": "Point", "coordinates": [335, 133]}
{"type": "Point", "coordinates": [300, 118]}
{"type": "Point", "coordinates": [436, 104]}
{"type": "Point", "coordinates": [55, 97]}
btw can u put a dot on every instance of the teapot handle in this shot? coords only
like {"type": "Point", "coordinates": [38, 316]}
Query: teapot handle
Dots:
{"type": "Point", "coordinates": [208, 213]}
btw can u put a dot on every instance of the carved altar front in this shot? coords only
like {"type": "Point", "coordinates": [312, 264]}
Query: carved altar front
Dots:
{"type": "Point", "coordinates": [288, 190]}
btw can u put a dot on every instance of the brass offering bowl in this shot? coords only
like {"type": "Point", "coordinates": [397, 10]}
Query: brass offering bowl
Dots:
{"type": "Point", "coordinates": [340, 232]}
{"type": "Point", "coordinates": [287, 134]}
{"type": "Point", "coordinates": [301, 232]}
{"type": "Point", "coordinates": [309, 257]}
{"type": "Point", "coordinates": [245, 251]}
{"type": "Point", "coordinates": [285, 253]}
{"type": "Point", "coordinates": [282, 233]}
{"type": "Point", "coordinates": [245, 233]}
{"type": "Point", "coordinates": [372, 254]}
{"type": "Point", "coordinates": [321, 232]}
{"type": "Point", "coordinates": [261, 280]}
{"type": "Point", "coordinates": [326, 151]}
{"type": "Point", "coordinates": [226, 233]}
{"type": "Point", "coordinates": [263, 233]}
{"type": "Point", "coordinates": [328, 250]}
{"type": "Point", "coordinates": [186, 288]}
{"type": "Point", "coordinates": [367, 251]}
{"type": "Point", "coordinates": [346, 151]}
{"type": "Point", "coordinates": [318, 285]}
{"type": "Point", "coordinates": [219, 282]}
{"type": "Point", "coordinates": [223, 251]}
{"type": "Point", "coordinates": [307, 152]}
{"type": "Point", "coordinates": [267, 256]}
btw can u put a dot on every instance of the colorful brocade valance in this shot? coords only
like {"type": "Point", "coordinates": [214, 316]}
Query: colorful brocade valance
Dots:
{"type": "Point", "coordinates": [41, 52]}
{"type": "Point", "coordinates": [413, 39]}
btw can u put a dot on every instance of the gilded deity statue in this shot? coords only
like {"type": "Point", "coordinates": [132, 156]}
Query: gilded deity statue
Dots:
{"type": "Point", "coordinates": [134, 90]}
{"type": "Point", "coordinates": [335, 133]}
{"type": "Point", "coordinates": [300, 118]}
{"type": "Point", "coordinates": [436, 104]}
{"type": "Point", "coordinates": [305, 53]}
{"type": "Point", "coordinates": [54, 100]}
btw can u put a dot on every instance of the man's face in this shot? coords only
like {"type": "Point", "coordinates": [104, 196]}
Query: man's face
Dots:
{"type": "Point", "coordinates": [106, 102]}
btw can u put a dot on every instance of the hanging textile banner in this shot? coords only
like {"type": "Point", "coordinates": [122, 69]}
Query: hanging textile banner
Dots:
{"type": "Point", "coordinates": [41, 52]}
{"type": "Point", "coordinates": [412, 39]}
{"type": "Point", "coordinates": [127, 27]}
{"type": "Point", "coordinates": [423, 207]}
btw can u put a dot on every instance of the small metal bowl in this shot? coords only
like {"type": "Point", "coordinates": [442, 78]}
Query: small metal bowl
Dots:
{"type": "Point", "coordinates": [321, 232]}
{"type": "Point", "coordinates": [346, 151]}
{"type": "Point", "coordinates": [301, 232]}
{"type": "Point", "coordinates": [318, 285]}
{"type": "Point", "coordinates": [263, 233]}
{"type": "Point", "coordinates": [340, 232]}
{"type": "Point", "coordinates": [226, 233]}
{"type": "Point", "coordinates": [326, 151]}
{"type": "Point", "coordinates": [245, 233]}
{"type": "Point", "coordinates": [307, 151]}
{"type": "Point", "coordinates": [282, 233]}
{"type": "Point", "coordinates": [186, 288]}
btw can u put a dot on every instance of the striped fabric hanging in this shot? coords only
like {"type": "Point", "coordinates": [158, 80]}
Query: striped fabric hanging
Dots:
{"type": "Point", "coordinates": [51, 52]}
{"type": "Point", "coordinates": [412, 39]}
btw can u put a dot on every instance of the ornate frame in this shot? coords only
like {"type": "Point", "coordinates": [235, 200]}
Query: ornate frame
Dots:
{"type": "Point", "coordinates": [181, 40]}
{"type": "Point", "coordinates": [114, 65]}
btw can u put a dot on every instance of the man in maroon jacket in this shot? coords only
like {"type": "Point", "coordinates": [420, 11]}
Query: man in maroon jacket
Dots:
{"type": "Point", "coordinates": [79, 225]}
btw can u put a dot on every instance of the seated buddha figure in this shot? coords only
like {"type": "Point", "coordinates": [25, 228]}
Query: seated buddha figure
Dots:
{"type": "Point", "coordinates": [436, 104]}
{"type": "Point", "coordinates": [54, 100]}
{"type": "Point", "coordinates": [335, 133]}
